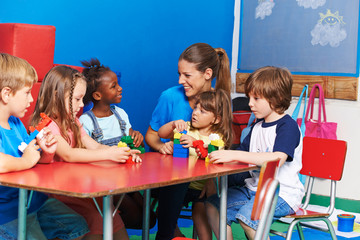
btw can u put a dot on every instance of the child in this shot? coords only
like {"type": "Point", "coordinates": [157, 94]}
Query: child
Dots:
{"type": "Point", "coordinates": [211, 114]}
{"type": "Point", "coordinates": [274, 135]}
{"type": "Point", "coordinates": [61, 98]}
{"type": "Point", "coordinates": [107, 124]}
{"type": "Point", "coordinates": [45, 214]}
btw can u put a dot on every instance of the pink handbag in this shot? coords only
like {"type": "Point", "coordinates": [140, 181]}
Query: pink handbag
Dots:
{"type": "Point", "coordinates": [318, 128]}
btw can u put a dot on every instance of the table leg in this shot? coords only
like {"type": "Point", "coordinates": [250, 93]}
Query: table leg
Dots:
{"type": "Point", "coordinates": [146, 215]}
{"type": "Point", "coordinates": [107, 218]}
{"type": "Point", "coordinates": [22, 212]}
{"type": "Point", "coordinates": [223, 206]}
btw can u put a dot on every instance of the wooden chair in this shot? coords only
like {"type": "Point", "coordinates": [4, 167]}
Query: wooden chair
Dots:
{"type": "Point", "coordinates": [265, 199]}
{"type": "Point", "coordinates": [322, 159]}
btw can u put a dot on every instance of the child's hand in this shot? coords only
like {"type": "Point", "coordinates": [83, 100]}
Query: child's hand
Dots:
{"type": "Point", "coordinates": [180, 125]}
{"type": "Point", "coordinates": [47, 142]}
{"type": "Point", "coordinates": [31, 154]}
{"type": "Point", "coordinates": [136, 158]}
{"type": "Point", "coordinates": [187, 141]}
{"type": "Point", "coordinates": [137, 138]}
{"type": "Point", "coordinates": [117, 154]}
{"type": "Point", "coordinates": [221, 156]}
{"type": "Point", "coordinates": [167, 148]}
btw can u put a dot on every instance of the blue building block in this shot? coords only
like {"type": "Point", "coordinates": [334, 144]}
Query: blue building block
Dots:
{"type": "Point", "coordinates": [180, 151]}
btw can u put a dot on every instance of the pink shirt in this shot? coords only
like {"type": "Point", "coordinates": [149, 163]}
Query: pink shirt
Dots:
{"type": "Point", "coordinates": [56, 131]}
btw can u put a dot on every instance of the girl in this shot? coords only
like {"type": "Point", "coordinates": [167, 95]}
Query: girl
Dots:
{"type": "Point", "coordinates": [107, 123]}
{"type": "Point", "coordinates": [212, 114]}
{"type": "Point", "coordinates": [61, 98]}
{"type": "Point", "coordinates": [198, 65]}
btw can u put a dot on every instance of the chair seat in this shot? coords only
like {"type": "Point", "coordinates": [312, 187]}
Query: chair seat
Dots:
{"type": "Point", "coordinates": [303, 213]}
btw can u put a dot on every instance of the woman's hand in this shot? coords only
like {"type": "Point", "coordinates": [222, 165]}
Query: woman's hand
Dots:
{"type": "Point", "coordinates": [167, 148]}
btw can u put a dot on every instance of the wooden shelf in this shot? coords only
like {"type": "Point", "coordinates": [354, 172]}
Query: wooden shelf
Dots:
{"type": "Point", "coordinates": [334, 87]}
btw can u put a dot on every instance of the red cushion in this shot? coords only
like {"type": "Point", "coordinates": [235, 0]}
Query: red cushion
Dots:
{"type": "Point", "coordinates": [34, 43]}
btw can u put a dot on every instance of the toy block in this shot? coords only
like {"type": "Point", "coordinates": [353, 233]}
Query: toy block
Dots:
{"type": "Point", "coordinates": [36, 131]}
{"type": "Point", "coordinates": [180, 151]}
{"type": "Point", "coordinates": [177, 135]}
{"type": "Point", "coordinates": [176, 141]}
{"type": "Point", "coordinates": [199, 145]}
{"type": "Point", "coordinates": [140, 148]}
{"type": "Point", "coordinates": [218, 143]}
{"type": "Point", "coordinates": [130, 143]}
{"type": "Point", "coordinates": [212, 148]}
{"type": "Point", "coordinates": [122, 144]}
{"type": "Point", "coordinates": [127, 139]}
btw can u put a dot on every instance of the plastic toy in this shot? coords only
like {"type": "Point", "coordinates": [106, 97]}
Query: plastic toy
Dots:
{"type": "Point", "coordinates": [199, 145]}
{"type": "Point", "coordinates": [123, 144]}
{"type": "Point", "coordinates": [35, 131]}
{"type": "Point", "coordinates": [179, 150]}
{"type": "Point", "coordinates": [345, 222]}
{"type": "Point", "coordinates": [129, 141]}
{"type": "Point", "coordinates": [215, 144]}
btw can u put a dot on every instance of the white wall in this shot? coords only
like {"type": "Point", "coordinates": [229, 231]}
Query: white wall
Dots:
{"type": "Point", "coordinates": [345, 113]}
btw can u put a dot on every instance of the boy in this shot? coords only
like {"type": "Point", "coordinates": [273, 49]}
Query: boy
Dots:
{"type": "Point", "coordinates": [274, 135]}
{"type": "Point", "coordinates": [46, 217]}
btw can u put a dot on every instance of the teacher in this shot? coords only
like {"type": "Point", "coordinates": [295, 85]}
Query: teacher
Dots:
{"type": "Point", "coordinates": [198, 65]}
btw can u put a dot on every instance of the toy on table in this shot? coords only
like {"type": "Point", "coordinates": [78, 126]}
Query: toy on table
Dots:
{"type": "Point", "coordinates": [36, 131]}
{"type": "Point", "coordinates": [215, 144]}
{"type": "Point", "coordinates": [179, 150]}
{"type": "Point", "coordinates": [199, 145]}
{"type": "Point", "coordinates": [130, 143]}
{"type": "Point", "coordinates": [123, 144]}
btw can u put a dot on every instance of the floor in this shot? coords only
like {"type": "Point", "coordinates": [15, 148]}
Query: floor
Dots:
{"type": "Point", "coordinates": [186, 229]}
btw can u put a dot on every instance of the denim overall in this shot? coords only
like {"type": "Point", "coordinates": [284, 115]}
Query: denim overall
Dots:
{"type": "Point", "coordinates": [97, 133]}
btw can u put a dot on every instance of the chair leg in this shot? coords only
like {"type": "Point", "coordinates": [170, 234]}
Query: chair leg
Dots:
{"type": "Point", "coordinates": [331, 228]}
{"type": "Point", "coordinates": [300, 231]}
{"type": "Point", "coordinates": [291, 228]}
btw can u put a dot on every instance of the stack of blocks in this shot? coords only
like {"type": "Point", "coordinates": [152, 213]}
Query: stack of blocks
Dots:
{"type": "Point", "coordinates": [179, 150]}
{"type": "Point", "coordinates": [129, 141]}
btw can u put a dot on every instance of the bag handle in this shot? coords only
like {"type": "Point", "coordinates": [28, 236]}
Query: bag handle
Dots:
{"type": "Point", "coordinates": [312, 100]}
{"type": "Point", "coordinates": [297, 108]}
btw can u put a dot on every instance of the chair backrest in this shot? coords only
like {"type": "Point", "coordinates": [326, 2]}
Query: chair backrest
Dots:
{"type": "Point", "coordinates": [266, 198]}
{"type": "Point", "coordinates": [323, 158]}
{"type": "Point", "coordinates": [268, 172]}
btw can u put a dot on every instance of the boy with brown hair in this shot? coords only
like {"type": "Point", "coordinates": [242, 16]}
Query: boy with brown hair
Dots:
{"type": "Point", "coordinates": [275, 135]}
{"type": "Point", "coordinates": [47, 218]}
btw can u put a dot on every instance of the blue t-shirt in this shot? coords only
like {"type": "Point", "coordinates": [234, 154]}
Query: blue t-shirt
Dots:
{"type": "Point", "coordinates": [9, 197]}
{"type": "Point", "coordinates": [172, 105]}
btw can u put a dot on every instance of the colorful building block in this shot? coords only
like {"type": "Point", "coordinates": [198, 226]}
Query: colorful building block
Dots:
{"type": "Point", "coordinates": [179, 150]}
{"type": "Point", "coordinates": [35, 131]}
{"type": "Point", "coordinates": [123, 144]}
{"type": "Point", "coordinates": [199, 145]}
{"type": "Point", "coordinates": [129, 141]}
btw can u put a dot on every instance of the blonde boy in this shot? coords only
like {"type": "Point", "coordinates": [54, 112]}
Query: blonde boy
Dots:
{"type": "Point", "coordinates": [46, 217]}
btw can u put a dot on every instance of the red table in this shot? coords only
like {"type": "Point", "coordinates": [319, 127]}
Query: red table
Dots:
{"type": "Point", "coordinates": [107, 178]}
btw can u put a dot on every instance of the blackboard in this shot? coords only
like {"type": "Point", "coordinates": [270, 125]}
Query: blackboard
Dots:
{"type": "Point", "coordinates": [321, 39]}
